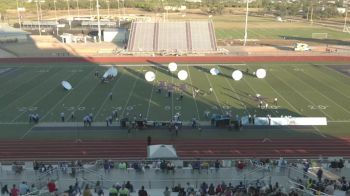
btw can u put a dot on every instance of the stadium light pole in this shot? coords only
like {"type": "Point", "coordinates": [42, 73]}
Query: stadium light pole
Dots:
{"type": "Point", "coordinates": [54, 5]}
{"type": "Point", "coordinates": [345, 21]}
{"type": "Point", "coordinates": [98, 21]}
{"type": "Point", "coordinates": [68, 11]}
{"type": "Point", "coordinates": [91, 8]}
{"type": "Point", "coordinates": [19, 16]}
{"type": "Point", "coordinates": [78, 8]}
{"type": "Point", "coordinates": [107, 1]}
{"type": "Point", "coordinates": [37, 13]}
{"type": "Point", "coordinates": [246, 24]}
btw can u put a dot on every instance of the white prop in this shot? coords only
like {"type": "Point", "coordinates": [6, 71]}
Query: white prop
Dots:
{"type": "Point", "coordinates": [182, 75]}
{"type": "Point", "coordinates": [66, 85]}
{"type": "Point", "coordinates": [112, 72]}
{"type": "Point", "coordinates": [172, 66]}
{"type": "Point", "coordinates": [261, 73]}
{"type": "Point", "coordinates": [237, 75]}
{"type": "Point", "coordinates": [150, 76]}
{"type": "Point", "coordinates": [214, 71]}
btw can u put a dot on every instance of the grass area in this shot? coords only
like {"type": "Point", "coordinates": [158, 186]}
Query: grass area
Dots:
{"type": "Point", "coordinates": [303, 89]}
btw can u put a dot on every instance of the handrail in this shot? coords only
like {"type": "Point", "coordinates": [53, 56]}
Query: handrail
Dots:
{"type": "Point", "coordinates": [305, 188]}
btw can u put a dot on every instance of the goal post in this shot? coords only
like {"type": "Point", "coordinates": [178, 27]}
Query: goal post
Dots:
{"type": "Point", "coordinates": [319, 35]}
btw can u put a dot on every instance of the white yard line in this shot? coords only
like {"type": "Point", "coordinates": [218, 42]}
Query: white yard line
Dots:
{"type": "Point", "coordinates": [194, 98]}
{"type": "Point", "coordinates": [60, 101]}
{"type": "Point", "coordinates": [27, 132]}
{"type": "Point", "coordinates": [21, 97]}
{"type": "Point", "coordinates": [216, 97]}
{"type": "Point", "coordinates": [339, 121]}
{"type": "Point", "coordinates": [130, 95]}
{"type": "Point", "coordinates": [172, 97]}
{"type": "Point", "coordinates": [320, 93]}
{"type": "Point", "coordinates": [335, 89]}
{"type": "Point", "coordinates": [296, 91]}
{"type": "Point", "coordinates": [150, 98]}
{"type": "Point", "coordinates": [107, 97]}
{"type": "Point", "coordinates": [237, 95]}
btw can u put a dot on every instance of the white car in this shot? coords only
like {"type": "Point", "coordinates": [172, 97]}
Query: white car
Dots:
{"type": "Point", "coordinates": [301, 47]}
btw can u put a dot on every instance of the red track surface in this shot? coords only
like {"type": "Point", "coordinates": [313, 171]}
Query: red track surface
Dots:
{"type": "Point", "coordinates": [211, 149]}
{"type": "Point", "coordinates": [136, 149]}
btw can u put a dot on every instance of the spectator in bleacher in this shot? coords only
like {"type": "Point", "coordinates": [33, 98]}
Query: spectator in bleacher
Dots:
{"type": "Point", "coordinates": [211, 190]}
{"type": "Point", "coordinates": [204, 188]}
{"type": "Point", "coordinates": [5, 190]}
{"type": "Point", "coordinates": [167, 192]}
{"type": "Point", "coordinates": [189, 188]}
{"type": "Point", "coordinates": [143, 192]}
{"type": "Point", "coordinates": [87, 191]}
{"type": "Point", "coordinates": [34, 190]}
{"type": "Point", "coordinates": [129, 186]}
{"type": "Point", "coordinates": [77, 188]}
{"type": "Point", "coordinates": [306, 168]}
{"type": "Point", "coordinates": [329, 189]}
{"type": "Point", "coordinates": [217, 165]}
{"type": "Point", "coordinates": [106, 166]}
{"type": "Point", "coordinates": [124, 191]}
{"type": "Point", "coordinates": [14, 191]}
{"type": "Point", "coordinates": [182, 192]}
{"type": "Point", "coordinates": [52, 187]}
{"type": "Point", "coordinates": [23, 188]}
{"type": "Point", "coordinates": [98, 188]}
{"type": "Point", "coordinates": [117, 186]}
{"type": "Point", "coordinates": [113, 191]}
{"type": "Point", "coordinates": [319, 174]}
{"type": "Point", "coordinates": [218, 189]}
{"type": "Point", "coordinates": [228, 192]}
{"type": "Point", "coordinates": [70, 191]}
{"type": "Point", "coordinates": [170, 167]}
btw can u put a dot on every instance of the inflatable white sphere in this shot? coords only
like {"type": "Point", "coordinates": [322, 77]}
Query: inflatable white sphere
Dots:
{"type": "Point", "coordinates": [261, 73]}
{"type": "Point", "coordinates": [172, 67]}
{"type": "Point", "coordinates": [182, 75]}
{"type": "Point", "coordinates": [237, 75]}
{"type": "Point", "coordinates": [150, 76]}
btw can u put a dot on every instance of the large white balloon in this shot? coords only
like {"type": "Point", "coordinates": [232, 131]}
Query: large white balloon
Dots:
{"type": "Point", "coordinates": [237, 75]}
{"type": "Point", "coordinates": [172, 66]}
{"type": "Point", "coordinates": [261, 73]}
{"type": "Point", "coordinates": [150, 76]}
{"type": "Point", "coordinates": [182, 75]}
{"type": "Point", "coordinates": [66, 85]}
{"type": "Point", "coordinates": [214, 71]}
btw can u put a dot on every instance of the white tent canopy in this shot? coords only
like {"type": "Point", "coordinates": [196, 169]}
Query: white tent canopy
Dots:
{"type": "Point", "coordinates": [161, 151]}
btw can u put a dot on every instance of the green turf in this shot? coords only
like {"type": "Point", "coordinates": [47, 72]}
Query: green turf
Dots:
{"type": "Point", "coordinates": [302, 90]}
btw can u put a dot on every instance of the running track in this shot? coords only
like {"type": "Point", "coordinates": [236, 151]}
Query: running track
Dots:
{"type": "Point", "coordinates": [187, 149]}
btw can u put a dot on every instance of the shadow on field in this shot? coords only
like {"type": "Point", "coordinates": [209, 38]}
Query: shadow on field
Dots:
{"type": "Point", "coordinates": [161, 68]}
{"type": "Point", "coordinates": [321, 41]}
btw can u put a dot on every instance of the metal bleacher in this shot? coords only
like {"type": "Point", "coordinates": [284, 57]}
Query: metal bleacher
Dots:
{"type": "Point", "coordinates": [172, 36]}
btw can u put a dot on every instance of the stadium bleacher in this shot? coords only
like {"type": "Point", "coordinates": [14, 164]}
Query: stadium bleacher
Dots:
{"type": "Point", "coordinates": [180, 36]}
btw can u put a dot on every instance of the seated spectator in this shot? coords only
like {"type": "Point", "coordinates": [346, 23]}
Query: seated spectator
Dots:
{"type": "Point", "coordinates": [211, 190]}
{"type": "Point", "coordinates": [52, 186]}
{"type": "Point", "coordinates": [177, 188]}
{"type": "Point", "coordinates": [23, 188]}
{"type": "Point", "coordinates": [14, 191]}
{"type": "Point", "coordinates": [5, 190]}
{"type": "Point", "coordinates": [70, 191]}
{"type": "Point", "coordinates": [204, 188]}
{"type": "Point", "coordinates": [218, 189]}
{"type": "Point", "coordinates": [163, 165]}
{"type": "Point", "coordinates": [166, 192]}
{"type": "Point", "coordinates": [113, 191]}
{"type": "Point", "coordinates": [99, 189]}
{"type": "Point", "coordinates": [143, 192]}
{"type": "Point", "coordinates": [241, 187]}
{"type": "Point", "coordinates": [217, 164]}
{"type": "Point", "coordinates": [124, 191]}
{"type": "Point", "coordinates": [170, 167]}
{"type": "Point", "coordinates": [189, 188]}
{"type": "Point", "coordinates": [129, 186]}
{"type": "Point", "coordinates": [182, 192]}
{"type": "Point", "coordinates": [87, 191]}
{"type": "Point", "coordinates": [196, 166]}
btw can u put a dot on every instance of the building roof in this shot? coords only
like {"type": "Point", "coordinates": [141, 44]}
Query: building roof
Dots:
{"type": "Point", "coordinates": [5, 29]}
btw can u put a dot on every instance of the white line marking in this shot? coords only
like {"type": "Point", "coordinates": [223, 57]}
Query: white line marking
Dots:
{"type": "Point", "coordinates": [194, 98]}
{"type": "Point", "coordinates": [296, 91]}
{"type": "Point", "coordinates": [107, 97]}
{"type": "Point", "coordinates": [60, 101]}
{"type": "Point", "coordinates": [216, 97]}
{"type": "Point", "coordinates": [150, 99]}
{"type": "Point", "coordinates": [26, 133]}
{"type": "Point", "coordinates": [130, 95]}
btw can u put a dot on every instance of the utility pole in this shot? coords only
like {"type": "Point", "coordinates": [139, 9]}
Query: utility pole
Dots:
{"type": "Point", "coordinates": [54, 3]}
{"type": "Point", "coordinates": [346, 29]}
{"type": "Point", "coordinates": [98, 21]}
{"type": "Point", "coordinates": [37, 13]}
{"type": "Point", "coordinates": [68, 11]}
{"type": "Point", "coordinates": [19, 17]}
{"type": "Point", "coordinates": [41, 13]}
{"type": "Point", "coordinates": [246, 24]}
{"type": "Point", "coordinates": [107, 1]}
{"type": "Point", "coordinates": [78, 8]}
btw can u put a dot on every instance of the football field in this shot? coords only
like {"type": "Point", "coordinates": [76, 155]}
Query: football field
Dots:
{"type": "Point", "coordinates": [302, 89]}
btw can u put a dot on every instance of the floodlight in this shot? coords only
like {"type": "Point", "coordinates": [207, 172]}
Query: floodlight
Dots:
{"type": "Point", "coordinates": [237, 75]}
{"type": "Point", "coordinates": [172, 66]}
{"type": "Point", "coordinates": [261, 73]}
{"type": "Point", "coordinates": [214, 71]}
{"type": "Point", "coordinates": [150, 76]}
{"type": "Point", "coordinates": [182, 75]}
